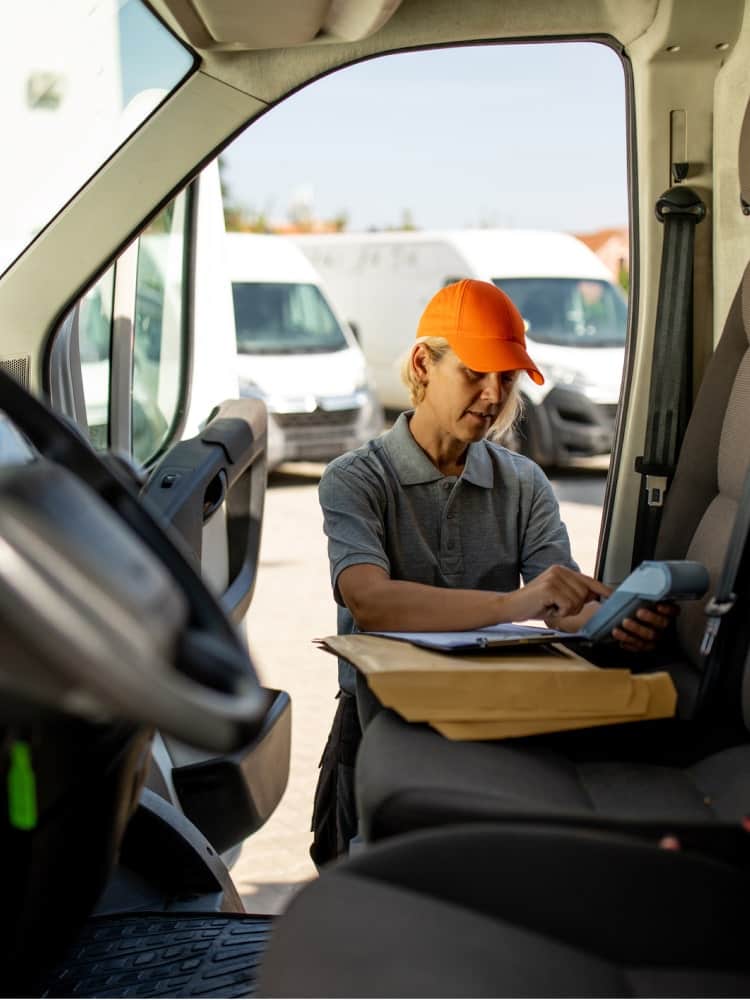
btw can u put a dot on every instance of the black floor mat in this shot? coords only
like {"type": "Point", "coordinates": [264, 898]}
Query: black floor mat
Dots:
{"type": "Point", "coordinates": [164, 955]}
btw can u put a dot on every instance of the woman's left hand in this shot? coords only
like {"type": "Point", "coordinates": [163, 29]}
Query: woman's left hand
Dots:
{"type": "Point", "coordinates": [641, 633]}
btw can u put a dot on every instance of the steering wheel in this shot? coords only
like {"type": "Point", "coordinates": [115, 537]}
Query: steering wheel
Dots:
{"type": "Point", "coordinates": [195, 681]}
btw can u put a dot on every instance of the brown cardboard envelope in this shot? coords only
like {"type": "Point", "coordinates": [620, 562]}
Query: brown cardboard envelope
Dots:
{"type": "Point", "coordinates": [513, 691]}
{"type": "Point", "coordinates": [661, 705]}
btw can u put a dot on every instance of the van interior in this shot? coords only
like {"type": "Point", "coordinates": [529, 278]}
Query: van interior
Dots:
{"type": "Point", "coordinates": [140, 746]}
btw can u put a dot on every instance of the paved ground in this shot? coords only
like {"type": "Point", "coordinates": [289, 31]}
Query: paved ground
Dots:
{"type": "Point", "coordinates": [292, 605]}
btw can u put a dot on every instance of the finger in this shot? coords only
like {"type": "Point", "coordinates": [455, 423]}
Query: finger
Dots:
{"type": "Point", "coordinates": [639, 631]}
{"type": "Point", "coordinates": [631, 642]}
{"type": "Point", "coordinates": [654, 618]}
{"type": "Point", "coordinates": [564, 596]}
{"type": "Point", "coordinates": [576, 597]}
{"type": "Point", "coordinates": [595, 587]}
{"type": "Point", "coordinates": [572, 589]}
{"type": "Point", "coordinates": [668, 608]}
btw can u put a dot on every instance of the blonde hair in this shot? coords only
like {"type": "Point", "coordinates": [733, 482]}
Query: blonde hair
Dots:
{"type": "Point", "coordinates": [437, 348]}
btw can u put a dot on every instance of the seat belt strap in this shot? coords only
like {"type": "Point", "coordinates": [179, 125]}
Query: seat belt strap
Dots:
{"type": "Point", "coordinates": [680, 209]}
{"type": "Point", "coordinates": [724, 598]}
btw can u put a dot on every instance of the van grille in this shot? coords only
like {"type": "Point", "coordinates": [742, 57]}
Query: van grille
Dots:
{"type": "Point", "coordinates": [319, 418]}
{"type": "Point", "coordinates": [319, 436]}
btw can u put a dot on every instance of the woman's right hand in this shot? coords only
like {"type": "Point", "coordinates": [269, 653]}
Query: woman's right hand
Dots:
{"type": "Point", "coordinates": [557, 593]}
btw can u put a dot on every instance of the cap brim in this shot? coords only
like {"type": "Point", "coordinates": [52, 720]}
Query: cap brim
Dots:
{"type": "Point", "coordinates": [485, 355]}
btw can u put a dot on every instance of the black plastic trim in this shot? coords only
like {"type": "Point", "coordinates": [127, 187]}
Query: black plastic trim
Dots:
{"type": "Point", "coordinates": [171, 852]}
{"type": "Point", "coordinates": [231, 797]}
{"type": "Point", "coordinates": [615, 460]}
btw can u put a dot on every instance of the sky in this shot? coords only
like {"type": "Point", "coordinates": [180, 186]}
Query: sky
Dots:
{"type": "Point", "coordinates": [149, 55]}
{"type": "Point", "coordinates": [491, 135]}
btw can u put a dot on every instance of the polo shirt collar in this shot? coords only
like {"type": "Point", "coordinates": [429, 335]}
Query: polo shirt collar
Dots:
{"type": "Point", "coordinates": [413, 466]}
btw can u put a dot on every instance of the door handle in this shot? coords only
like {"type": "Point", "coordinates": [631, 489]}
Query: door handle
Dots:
{"type": "Point", "coordinates": [215, 495]}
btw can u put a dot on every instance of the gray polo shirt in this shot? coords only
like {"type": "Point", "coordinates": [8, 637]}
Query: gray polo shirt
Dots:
{"type": "Point", "coordinates": [387, 505]}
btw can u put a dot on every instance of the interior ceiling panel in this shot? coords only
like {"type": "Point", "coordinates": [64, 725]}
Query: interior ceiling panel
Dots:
{"type": "Point", "coordinates": [271, 24]}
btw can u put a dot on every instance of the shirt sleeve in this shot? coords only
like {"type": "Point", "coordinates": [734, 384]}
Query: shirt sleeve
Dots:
{"type": "Point", "coordinates": [545, 540]}
{"type": "Point", "coordinates": [353, 522]}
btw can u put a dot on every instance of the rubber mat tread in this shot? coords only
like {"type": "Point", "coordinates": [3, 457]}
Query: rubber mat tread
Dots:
{"type": "Point", "coordinates": [168, 955]}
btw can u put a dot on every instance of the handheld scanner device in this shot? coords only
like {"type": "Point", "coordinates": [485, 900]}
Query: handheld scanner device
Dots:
{"type": "Point", "coordinates": [678, 580]}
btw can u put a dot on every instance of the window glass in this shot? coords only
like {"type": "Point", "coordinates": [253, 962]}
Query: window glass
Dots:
{"type": "Point", "coordinates": [569, 312]}
{"type": "Point", "coordinates": [14, 448]}
{"type": "Point", "coordinates": [284, 318]}
{"type": "Point", "coordinates": [94, 339]}
{"type": "Point", "coordinates": [159, 329]}
{"type": "Point", "coordinates": [68, 114]}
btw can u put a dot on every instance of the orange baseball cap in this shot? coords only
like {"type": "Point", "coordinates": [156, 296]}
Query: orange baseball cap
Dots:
{"type": "Point", "coordinates": [483, 327]}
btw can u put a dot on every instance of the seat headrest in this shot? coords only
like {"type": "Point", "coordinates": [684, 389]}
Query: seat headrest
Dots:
{"type": "Point", "coordinates": [744, 158]}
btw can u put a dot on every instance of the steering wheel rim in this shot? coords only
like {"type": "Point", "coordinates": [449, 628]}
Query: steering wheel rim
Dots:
{"type": "Point", "coordinates": [213, 671]}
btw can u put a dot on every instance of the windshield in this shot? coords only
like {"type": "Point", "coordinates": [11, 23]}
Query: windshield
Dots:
{"type": "Point", "coordinates": [281, 318]}
{"type": "Point", "coordinates": [77, 79]}
{"type": "Point", "coordinates": [569, 312]}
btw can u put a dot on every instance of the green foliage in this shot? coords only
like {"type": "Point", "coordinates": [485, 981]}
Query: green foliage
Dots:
{"type": "Point", "coordinates": [623, 277]}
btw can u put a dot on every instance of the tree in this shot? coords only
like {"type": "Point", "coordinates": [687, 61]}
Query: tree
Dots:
{"type": "Point", "coordinates": [407, 221]}
{"type": "Point", "coordinates": [235, 219]}
{"type": "Point", "coordinates": [623, 275]}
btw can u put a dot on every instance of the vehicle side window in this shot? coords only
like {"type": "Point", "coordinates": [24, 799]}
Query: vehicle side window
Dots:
{"type": "Point", "coordinates": [159, 329]}
{"type": "Point", "coordinates": [132, 338]}
{"type": "Point", "coordinates": [95, 318]}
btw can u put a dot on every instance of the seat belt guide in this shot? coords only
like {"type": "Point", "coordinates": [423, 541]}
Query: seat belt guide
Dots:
{"type": "Point", "coordinates": [656, 487]}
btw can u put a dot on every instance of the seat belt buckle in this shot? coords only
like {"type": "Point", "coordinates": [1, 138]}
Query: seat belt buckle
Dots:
{"type": "Point", "coordinates": [715, 611]}
{"type": "Point", "coordinates": [656, 487]}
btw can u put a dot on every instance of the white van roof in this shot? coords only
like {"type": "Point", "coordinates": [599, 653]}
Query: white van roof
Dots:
{"type": "Point", "coordinates": [252, 257]}
{"type": "Point", "coordinates": [493, 253]}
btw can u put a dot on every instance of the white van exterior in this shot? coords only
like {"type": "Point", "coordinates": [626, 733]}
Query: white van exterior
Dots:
{"type": "Point", "coordinates": [576, 318]}
{"type": "Point", "coordinates": [297, 354]}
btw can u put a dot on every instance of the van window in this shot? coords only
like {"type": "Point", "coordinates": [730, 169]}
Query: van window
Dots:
{"type": "Point", "coordinates": [94, 334]}
{"type": "Point", "coordinates": [284, 318]}
{"type": "Point", "coordinates": [569, 312]}
{"type": "Point", "coordinates": [159, 329]}
{"type": "Point", "coordinates": [150, 298]}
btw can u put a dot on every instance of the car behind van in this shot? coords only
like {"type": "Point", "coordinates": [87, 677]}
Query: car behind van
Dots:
{"type": "Point", "coordinates": [296, 354]}
{"type": "Point", "coordinates": [576, 318]}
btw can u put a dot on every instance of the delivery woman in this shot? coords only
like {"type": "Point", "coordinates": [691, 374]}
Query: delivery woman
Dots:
{"type": "Point", "coordinates": [433, 526]}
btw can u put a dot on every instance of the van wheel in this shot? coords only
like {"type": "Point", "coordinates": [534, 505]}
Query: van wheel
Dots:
{"type": "Point", "coordinates": [528, 438]}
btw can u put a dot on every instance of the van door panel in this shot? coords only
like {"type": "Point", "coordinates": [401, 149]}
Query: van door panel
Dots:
{"type": "Point", "coordinates": [211, 489]}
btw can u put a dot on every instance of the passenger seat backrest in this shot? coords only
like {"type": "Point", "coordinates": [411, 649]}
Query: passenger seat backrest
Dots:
{"type": "Point", "coordinates": [702, 502]}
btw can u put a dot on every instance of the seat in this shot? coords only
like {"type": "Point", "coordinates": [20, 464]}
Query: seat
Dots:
{"type": "Point", "coordinates": [485, 910]}
{"type": "Point", "coordinates": [409, 777]}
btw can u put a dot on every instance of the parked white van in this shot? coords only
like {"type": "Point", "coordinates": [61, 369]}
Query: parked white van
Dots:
{"type": "Point", "coordinates": [296, 354]}
{"type": "Point", "coordinates": [576, 318]}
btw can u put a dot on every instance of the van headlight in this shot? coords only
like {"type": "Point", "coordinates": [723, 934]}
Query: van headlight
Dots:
{"type": "Point", "coordinates": [277, 402]}
{"type": "Point", "coordinates": [572, 378]}
{"type": "Point", "coordinates": [252, 390]}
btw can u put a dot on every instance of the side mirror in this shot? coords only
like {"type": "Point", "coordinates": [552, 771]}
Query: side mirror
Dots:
{"type": "Point", "coordinates": [354, 327]}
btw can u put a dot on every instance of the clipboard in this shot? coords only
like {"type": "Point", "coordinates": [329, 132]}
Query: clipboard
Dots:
{"type": "Point", "coordinates": [488, 637]}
